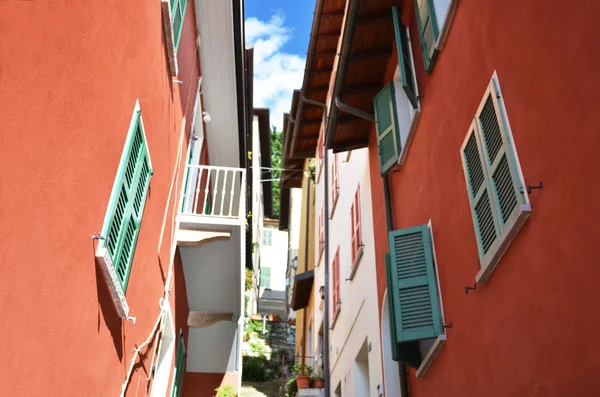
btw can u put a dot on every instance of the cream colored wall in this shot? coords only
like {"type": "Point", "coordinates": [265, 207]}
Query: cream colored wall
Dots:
{"type": "Point", "coordinates": [358, 319]}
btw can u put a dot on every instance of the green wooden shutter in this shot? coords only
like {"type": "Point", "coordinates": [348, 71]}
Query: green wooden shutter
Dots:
{"type": "Point", "coordinates": [404, 59]}
{"type": "Point", "coordinates": [127, 205]}
{"type": "Point", "coordinates": [414, 284]}
{"type": "Point", "coordinates": [177, 17]}
{"type": "Point", "coordinates": [179, 367]}
{"type": "Point", "coordinates": [390, 295]}
{"type": "Point", "coordinates": [485, 219]}
{"type": "Point", "coordinates": [388, 136]}
{"type": "Point", "coordinates": [428, 31]}
{"type": "Point", "coordinates": [493, 183]}
{"type": "Point", "coordinates": [265, 277]}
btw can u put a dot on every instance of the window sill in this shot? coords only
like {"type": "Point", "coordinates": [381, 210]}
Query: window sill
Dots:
{"type": "Point", "coordinates": [359, 256]}
{"type": "Point", "coordinates": [431, 355]}
{"type": "Point", "coordinates": [336, 315]}
{"type": "Point", "coordinates": [334, 204]}
{"type": "Point", "coordinates": [320, 168]}
{"type": "Point", "coordinates": [499, 248]}
{"type": "Point", "coordinates": [168, 28]}
{"type": "Point", "coordinates": [114, 287]}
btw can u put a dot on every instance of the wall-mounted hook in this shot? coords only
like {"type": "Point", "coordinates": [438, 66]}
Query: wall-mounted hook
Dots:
{"type": "Point", "coordinates": [101, 237]}
{"type": "Point", "coordinates": [178, 82]}
{"type": "Point", "coordinates": [473, 288]}
{"type": "Point", "coordinates": [531, 187]}
{"type": "Point", "coordinates": [447, 325]}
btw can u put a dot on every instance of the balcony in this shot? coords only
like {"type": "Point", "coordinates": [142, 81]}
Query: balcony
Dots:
{"type": "Point", "coordinates": [211, 241]}
{"type": "Point", "coordinates": [213, 195]}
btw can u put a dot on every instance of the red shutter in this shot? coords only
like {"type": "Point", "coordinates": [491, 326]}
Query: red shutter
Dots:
{"type": "Point", "coordinates": [356, 233]}
{"type": "Point", "coordinates": [321, 231]}
{"type": "Point", "coordinates": [336, 280]}
{"type": "Point", "coordinates": [334, 180]}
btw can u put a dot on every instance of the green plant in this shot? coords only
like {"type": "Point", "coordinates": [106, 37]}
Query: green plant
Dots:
{"type": "Point", "coordinates": [253, 369]}
{"type": "Point", "coordinates": [248, 279]}
{"type": "Point", "coordinates": [302, 370]}
{"type": "Point", "coordinates": [291, 388]}
{"type": "Point", "coordinates": [255, 245]}
{"type": "Point", "coordinates": [311, 171]}
{"type": "Point", "coordinates": [225, 391]}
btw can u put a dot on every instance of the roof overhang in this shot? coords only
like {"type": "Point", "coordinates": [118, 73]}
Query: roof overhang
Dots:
{"type": "Point", "coordinates": [302, 288]}
{"type": "Point", "coordinates": [264, 132]}
{"type": "Point", "coordinates": [366, 46]}
{"type": "Point", "coordinates": [222, 62]}
{"type": "Point", "coordinates": [320, 60]}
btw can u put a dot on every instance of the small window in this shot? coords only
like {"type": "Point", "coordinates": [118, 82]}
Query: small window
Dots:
{"type": "Point", "coordinates": [335, 183]}
{"type": "Point", "coordinates": [125, 209]}
{"type": "Point", "coordinates": [337, 301]}
{"type": "Point", "coordinates": [397, 106]}
{"type": "Point", "coordinates": [265, 277]}
{"type": "Point", "coordinates": [267, 237]}
{"type": "Point", "coordinates": [179, 367]}
{"type": "Point", "coordinates": [433, 19]}
{"type": "Point", "coordinates": [499, 203]}
{"type": "Point", "coordinates": [416, 316]}
{"type": "Point", "coordinates": [356, 231]}
{"type": "Point", "coordinates": [173, 17]}
{"type": "Point", "coordinates": [321, 231]}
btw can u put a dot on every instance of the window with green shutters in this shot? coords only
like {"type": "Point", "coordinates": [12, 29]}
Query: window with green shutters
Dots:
{"type": "Point", "coordinates": [265, 277]}
{"type": "Point", "coordinates": [177, 17]}
{"type": "Point", "coordinates": [433, 21]}
{"type": "Point", "coordinates": [127, 202]}
{"type": "Point", "coordinates": [179, 366]}
{"type": "Point", "coordinates": [413, 296]}
{"type": "Point", "coordinates": [405, 62]}
{"type": "Point", "coordinates": [497, 197]}
{"type": "Point", "coordinates": [397, 108]}
{"type": "Point", "coordinates": [388, 138]}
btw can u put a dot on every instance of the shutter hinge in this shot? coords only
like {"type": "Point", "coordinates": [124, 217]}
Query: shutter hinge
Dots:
{"type": "Point", "coordinates": [447, 326]}
{"type": "Point", "coordinates": [101, 237]}
{"type": "Point", "coordinates": [531, 187]}
{"type": "Point", "coordinates": [473, 288]}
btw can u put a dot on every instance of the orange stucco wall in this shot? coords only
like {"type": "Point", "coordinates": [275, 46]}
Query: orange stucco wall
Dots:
{"type": "Point", "coordinates": [70, 76]}
{"type": "Point", "coordinates": [531, 329]}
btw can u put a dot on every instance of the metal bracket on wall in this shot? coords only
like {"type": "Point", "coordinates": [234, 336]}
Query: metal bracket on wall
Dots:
{"type": "Point", "coordinates": [473, 288]}
{"type": "Point", "coordinates": [531, 187]}
{"type": "Point", "coordinates": [447, 326]}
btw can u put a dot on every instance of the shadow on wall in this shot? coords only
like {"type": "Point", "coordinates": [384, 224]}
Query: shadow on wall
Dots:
{"type": "Point", "coordinates": [106, 307]}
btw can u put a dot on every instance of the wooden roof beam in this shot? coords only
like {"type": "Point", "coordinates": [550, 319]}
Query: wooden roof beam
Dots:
{"type": "Point", "coordinates": [375, 52]}
{"type": "Point", "coordinates": [367, 19]}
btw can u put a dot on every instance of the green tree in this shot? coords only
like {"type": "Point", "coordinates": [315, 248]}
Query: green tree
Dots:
{"type": "Point", "coordinates": [276, 163]}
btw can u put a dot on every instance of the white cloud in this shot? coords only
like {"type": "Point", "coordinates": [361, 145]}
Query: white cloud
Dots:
{"type": "Point", "coordinates": [276, 73]}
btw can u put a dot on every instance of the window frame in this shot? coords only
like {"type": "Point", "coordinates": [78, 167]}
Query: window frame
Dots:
{"type": "Point", "coordinates": [267, 241]}
{"type": "Point", "coordinates": [169, 7]}
{"type": "Point", "coordinates": [118, 287]}
{"type": "Point", "coordinates": [178, 370]}
{"type": "Point", "coordinates": [337, 300]}
{"type": "Point", "coordinates": [506, 230]}
{"type": "Point", "coordinates": [440, 28]}
{"type": "Point", "coordinates": [409, 348]}
{"type": "Point", "coordinates": [321, 232]}
{"type": "Point", "coordinates": [335, 184]}
{"type": "Point", "coordinates": [356, 241]}
{"type": "Point", "coordinates": [265, 273]}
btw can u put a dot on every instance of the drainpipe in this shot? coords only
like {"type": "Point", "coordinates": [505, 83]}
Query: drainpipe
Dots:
{"type": "Point", "coordinates": [390, 227]}
{"type": "Point", "coordinates": [306, 266]}
{"type": "Point", "coordinates": [326, 264]}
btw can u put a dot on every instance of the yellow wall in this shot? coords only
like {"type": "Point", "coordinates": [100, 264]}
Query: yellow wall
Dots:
{"type": "Point", "coordinates": [301, 326]}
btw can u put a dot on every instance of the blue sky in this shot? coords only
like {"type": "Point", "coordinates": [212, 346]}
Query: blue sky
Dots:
{"type": "Point", "coordinates": [279, 33]}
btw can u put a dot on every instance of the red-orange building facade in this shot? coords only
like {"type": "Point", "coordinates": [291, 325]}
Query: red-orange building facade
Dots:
{"type": "Point", "coordinates": [528, 328]}
{"type": "Point", "coordinates": [72, 76]}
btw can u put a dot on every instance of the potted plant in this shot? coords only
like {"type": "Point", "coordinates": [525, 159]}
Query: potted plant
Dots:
{"type": "Point", "coordinates": [303, 373]}
{"type": "Point", "coordinates": [318, 381]}
{"type": "Point", "coordinates": [225, 391]}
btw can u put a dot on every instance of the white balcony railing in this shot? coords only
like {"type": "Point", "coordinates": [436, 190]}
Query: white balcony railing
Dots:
{"type": "Point", "coordinates": [217, 192]}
